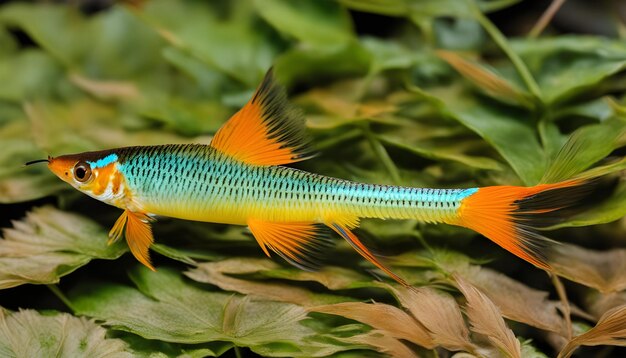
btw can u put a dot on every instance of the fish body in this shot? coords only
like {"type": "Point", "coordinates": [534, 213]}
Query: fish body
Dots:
{"type": "Point", "coordinates": [240, 179]}
{"type": "Point", "coordinates": [197, 182]}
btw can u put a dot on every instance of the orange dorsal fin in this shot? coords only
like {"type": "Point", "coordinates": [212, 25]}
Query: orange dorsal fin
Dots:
{"type": "Point", "coordinates": [302, 244]}
{"type": "Point", "coordinates": [138, 235]}
{"type": "Point", "coordinates": [266, 131]}
{"type": "Point", "coordinates": [344, 232]}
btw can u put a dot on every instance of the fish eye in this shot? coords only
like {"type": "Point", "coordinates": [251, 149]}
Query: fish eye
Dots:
{"type": "Point", "coordinates": [82, 172]}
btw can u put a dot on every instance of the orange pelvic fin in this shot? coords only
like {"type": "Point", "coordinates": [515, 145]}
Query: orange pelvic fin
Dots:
{"type": "Point", "coordinates": [302, 244]}
{"type": "Point", "coordinates": [266, 131]}
{"type": "Point", "coordinates": [138, 235]}
{"type": "Point", "coordinates": [344, 232]}
{"type": "Point", "coordinates": [510, 215]}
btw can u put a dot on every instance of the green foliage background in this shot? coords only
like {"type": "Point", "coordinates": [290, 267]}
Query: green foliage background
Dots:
{"type": "Point", "coordinates": [439, 98]}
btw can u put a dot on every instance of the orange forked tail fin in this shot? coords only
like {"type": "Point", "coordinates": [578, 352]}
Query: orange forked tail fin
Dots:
{"type": "Point", "coordinates": [510, 215]}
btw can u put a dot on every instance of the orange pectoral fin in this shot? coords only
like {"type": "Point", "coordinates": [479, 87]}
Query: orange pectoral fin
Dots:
{"type": "Point", "coordinates": [139, 236]}
{"type": "Point", "coordinates": [302, 244]}
{"type": "Point", "coordinates": [365, 252]}
{"type": "Point", "coordinates": [117, 229]}
{"type": "Point", "coordinates": [266, 131]}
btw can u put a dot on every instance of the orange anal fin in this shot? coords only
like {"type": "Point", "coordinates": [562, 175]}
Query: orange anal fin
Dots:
{"type": "Point", "coordinates": [302, 244]}
{"type": "Point", "coordinates": [139, 236]}
{"type": "Point", "coordinates": [266, 131]}
{"type": "Point", "coordinates": [365, 252]}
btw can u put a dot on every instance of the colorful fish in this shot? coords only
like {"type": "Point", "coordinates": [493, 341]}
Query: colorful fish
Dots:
{"type": "Point", "coordinates": [239, 179]}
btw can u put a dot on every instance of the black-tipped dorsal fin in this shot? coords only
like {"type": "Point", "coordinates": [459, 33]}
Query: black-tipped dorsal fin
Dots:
{"type": "Point", "coordinates": [266, 131]}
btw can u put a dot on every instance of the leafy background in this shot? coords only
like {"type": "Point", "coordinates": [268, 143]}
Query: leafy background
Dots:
{"type": "Point", "coordinates": [414, 92]}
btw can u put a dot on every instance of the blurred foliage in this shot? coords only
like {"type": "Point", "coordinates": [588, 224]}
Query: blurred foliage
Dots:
{"type": "Point", "coordinates": [435, 96]}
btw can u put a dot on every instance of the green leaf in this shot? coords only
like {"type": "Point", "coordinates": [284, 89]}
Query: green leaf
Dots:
{"type": "Point", "coordinates": [29, 334]}
{"type": "Point", "coordinates": [232, 45]}
{"type": "Point", "coordinates": [507, 132]}
{"type": "Point", "coordinates": [452, 149]}
{"type": "Point", "coordinates": [585, 147]}
{"type": "Point", "coordinates": [207, 81]}
{"type": "Point", "coordinates": [8, 45]}
{"type": "Point", "coordinates": [383, 7]}
{"type": "Point", "coordinates": [529, 351]}
{"type": "Point", "coordinates": [566, 66]}
{"type": "Point", "coordinates": [598, 109]}
{"type": "Point", "coordinates": [608, 211]}
{"type": "Point", "coordinates": [505, 128]}
{"type": "Point", "coordinates": [458, 34]}
{"type": "Point", "coordinates": [69, 37]}
{"type": "Point", "coordinates": [425, 8]}
{"type": "Point", "coordinates": [184, 116]}
{"type": "Point", "coordinates": [309, 64]}
{"type": "Point", "coordinates": [415, 9]}
{"type": "Point", "coordinates": [167, 308]}
{"type": "Point", "coordinates": [317, 23]}
{"type": "Point", "coordinates": [43, 24]}
{"type": "Point", "coordinates": [151, 348]}
{"type": "Point", "coordinates": [172, 253]}
{"type": "Point", "coordinates": [86, 125]}
{"type": "Point", "coordinates": [388, 55]}
{"type": "Point", "coordinates": [28, 74]}
{"type": "Point", "coordinates": [49, 244]}
{"type": "Point", "coordinates": [19, 183]}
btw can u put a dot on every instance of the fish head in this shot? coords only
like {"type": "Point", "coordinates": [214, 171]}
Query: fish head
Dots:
{"type": "Point", "coordinates": [93, 173]}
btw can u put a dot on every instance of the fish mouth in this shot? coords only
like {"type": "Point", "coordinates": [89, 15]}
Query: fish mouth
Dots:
{"type": "Point", "coordinates": [62, 166]}
{"type": "Point", "coordinates": [37, 161]}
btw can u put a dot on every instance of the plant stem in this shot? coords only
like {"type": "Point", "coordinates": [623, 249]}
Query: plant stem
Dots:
{"type": "Point", "coordinates": [335, 140]}
{"type": "Point", "coordinates": [238, 352]}
{"type": "Point", "coordinates": [61, 296]}
{"type": "Point", "coordinates": [566, 308]}
{"type": "Point", "coordinates": [545, 18]}
{"type": "Point", "coordinates": [382, 154]}
{"type": "Point", "coordinates": [500, 40]}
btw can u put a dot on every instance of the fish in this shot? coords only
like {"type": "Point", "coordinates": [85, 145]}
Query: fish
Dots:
{"type": "Point", "coordinates": [242, 178]}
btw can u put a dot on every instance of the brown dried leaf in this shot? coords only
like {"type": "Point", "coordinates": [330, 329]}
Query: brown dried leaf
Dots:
{"type": "Point", "coordinates": [383, 343]}
{"type": "Point", "coordinates": [486, 80]}
{"type": "Point", "coordinates": [331, 277]}
{"type": "Point", "coordinates": [122, 90]}
{"type": "Point", "coordinates": [486, 319]}
{"type": "Point", "coordinates": [217, 273]}
{"type": "Point", "coordinates": [440, 314]}
{"type": "Point", "coordinates": [388, 319]}
{"type": "Point", "coordinates": [602, 270]}
{"type": "Point", "coordinates": [517, 301]}
{"type": "Point", "coordinates": [610, 330]}
{"type": "Point", "coordinates": [340, 106]}
{"type": "Point", "coordinates": [599, 303]}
